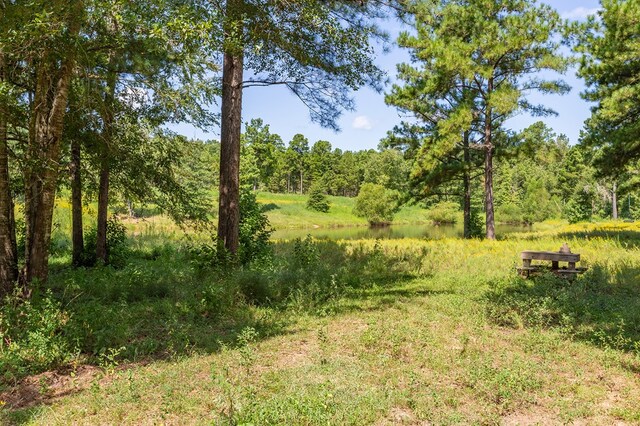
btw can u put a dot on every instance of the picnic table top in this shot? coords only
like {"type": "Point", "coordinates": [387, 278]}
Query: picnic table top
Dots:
{"type": "Point", "coordinates": [550, 255]}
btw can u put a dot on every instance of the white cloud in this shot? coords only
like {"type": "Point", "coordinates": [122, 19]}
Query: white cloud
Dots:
{"type": "Point", "coordinates": [580, 13]}
{"type": "Point", "coordinates": [362, 122]}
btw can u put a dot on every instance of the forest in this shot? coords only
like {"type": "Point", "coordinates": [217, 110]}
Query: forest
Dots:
{"type": "Point", "coordinates": [151, 277]}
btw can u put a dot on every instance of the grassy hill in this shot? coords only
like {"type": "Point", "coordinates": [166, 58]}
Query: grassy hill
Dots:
{"type": "Point", "coordinates": [288, 211]}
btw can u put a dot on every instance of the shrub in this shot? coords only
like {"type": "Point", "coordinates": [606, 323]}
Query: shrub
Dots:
{"type": "Point", "coordinates": [579, 208]}
{"type": "Point", "coordinates": [376, 204]}
{"type": "Point", "coordinates": [444, 212]}
{"type": "Point", "coordinates": [117, 250]}
{"type": "Point", "coordinates": [318, 200]}
{"type": "Point", "coordinates": [509, 213]}
{"type": "Point", "coordinates": [255, 229]}
{"type": "Point", "coordinates": [32, 336]}
{"type": "Point", "coordinates": [476, 224]}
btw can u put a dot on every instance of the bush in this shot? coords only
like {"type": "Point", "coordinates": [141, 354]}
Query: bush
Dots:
{"type": "Point", "coordinates": [444, 212]}
{"type": "Point", "coordinates": [318, 200]}
{"type": "Point", "coordinates": [579, 208]}
{"type": "Point", "coordinates": [255, 229]}
{"type": "Point", "coordinates": [376, 204]}
{"type": "Point", "coordinates": [476, 224]}
{"type": "Point", "coordinates": [117, 250]}
{"type": "Point", "coordinates": [509, 213]}
{"type": "Point", "coordinates": [32, 336]}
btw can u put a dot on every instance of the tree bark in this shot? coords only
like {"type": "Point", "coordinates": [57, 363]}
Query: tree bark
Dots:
{"type": "Point", "coordinates": [231, 121]}
{"type": "Point", "coordinates": [8, 249]}
{"type": "Point", "coordinates": [43, 155]}
{"type": "Point", "coordinates": [467, 187]}
{"type": "Point", "coordinates": [488, 168]}
{"type": "Point", "coordinates": [103, 213]}
{"type": "Point", "coordinates": [614, 201]}
{"type": "Point", "coordinates": [76, 205]}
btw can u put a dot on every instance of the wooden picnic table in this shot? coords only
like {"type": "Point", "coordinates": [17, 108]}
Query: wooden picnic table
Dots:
{"type": "Point", "coordinates": [564, 255]}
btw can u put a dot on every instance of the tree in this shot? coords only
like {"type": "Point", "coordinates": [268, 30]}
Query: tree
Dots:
{"type": "Point", "coordinates": [299, 153]}
{"type": "Point", "coordinates": [156, 72]}
{"type": "Point", "coordinates": [49, 45]}
{"type": "Point", "coordinates": [376, 204]}
{"type": "Point", "coordinates": [611, 69]}
{"type": "Point", "coordinates": [320, 163]}
{"type": "Point", "coordinates": [318, 50]}
{"type": "Point", "coordinates": [8, 249]}
{"type": "Point", "coordinates": [475, 63]}
{"type": "Point", "coordinates": [318, 199]}
{"type": "Point", "coordinates": [40, 41]}
{"type": "Point", "coordinates": [264, 148]}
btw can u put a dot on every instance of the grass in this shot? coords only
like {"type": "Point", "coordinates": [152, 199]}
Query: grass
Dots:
{"type": "Point", "coordinates": [351, 332]}
{"type": "Point", "coordinates": [288, 211]}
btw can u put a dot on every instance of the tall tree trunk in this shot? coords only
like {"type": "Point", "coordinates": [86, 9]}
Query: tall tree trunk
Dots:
{"type": "Point", "coordinates": [467, 187]}
{"type": "Point", "coordinates": [614, 201]}
{"type": "Point", "coordinates": [488, 168]}
{"type": "Point", "coordinates": [77, 236]}
{"type": "Point", "coordinates": [103, 213]}
{"type": "Point", "coordinates": [43, 155]}
{"type": "Point", "coordinates": [8, 250]}
{"type": "Point", "coordinates": [102, 253]}
{"type": "Point", "coordinates": [231, 121]}
{"type": "Point", "coordinates": [300, 181]}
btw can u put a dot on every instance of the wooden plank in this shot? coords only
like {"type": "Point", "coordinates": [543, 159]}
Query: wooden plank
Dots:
{"type": "Point", "coordinates": [550, 255]}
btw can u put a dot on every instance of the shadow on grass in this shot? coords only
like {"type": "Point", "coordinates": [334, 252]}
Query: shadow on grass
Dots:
{"type": "Point", "coordinates": [269, 207]}
{"type": "Point", "coordinates": [172, 305]}
{"type": "Point", "coordinates": [630, 239]}
{"type": "Point", "coordinates": [600, 307]}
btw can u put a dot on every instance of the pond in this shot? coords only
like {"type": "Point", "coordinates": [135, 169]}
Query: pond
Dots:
{"type": "Point", "coordinates": [428, 231]}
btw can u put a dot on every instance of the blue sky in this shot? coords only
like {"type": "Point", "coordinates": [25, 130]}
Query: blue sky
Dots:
{"type": "Point", "coordinates": [364, 127]}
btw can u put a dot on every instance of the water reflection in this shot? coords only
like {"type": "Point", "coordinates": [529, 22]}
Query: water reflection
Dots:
{"type": "Point", "coordinates": [428, 231]}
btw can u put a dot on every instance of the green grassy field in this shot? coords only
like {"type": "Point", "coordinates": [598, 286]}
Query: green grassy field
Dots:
{"type": "Point", "coordinates": [360, 332]}
{"type": "Point", "coordinates": [288, 211]}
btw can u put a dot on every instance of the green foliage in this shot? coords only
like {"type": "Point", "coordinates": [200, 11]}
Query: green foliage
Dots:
{"type": "Point", "coordinates": [476, 224]}
{"type": "Point", "coordinates": [31, 336]}
{"type": "Point", "coordinates": [610, 48]}
{"type": "Point", "coordinates": [254, 229]}
{"type": "Point", "coordinates": [445, 212]}
{"type": "Point", "coordinates": [376, 204]}
{"type": "Point", "coordinates": [318, 200]}
{"type": "Point", "coordinates": [580, 207]}
{"type": "Point", "coordinates": [117, 249]}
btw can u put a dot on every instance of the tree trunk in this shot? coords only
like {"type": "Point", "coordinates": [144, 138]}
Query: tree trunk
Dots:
{"type": "Point", "coordinates": [614, 201]}
{"type": "Point", "coordinates": [43, 155]}
{"type": "Point", "coordinates": [467, 187]}
{"type": "Point", "coordinates": [301, 181]}
{"type": "Point", "coordinates": [488, 168]}
{"type": "Point", "coordinates": [231, 121]}
{"type": "Point", "coordinates": [76, 205]}
{"type": "Point", "coordinates": [108, 112]}
{"type": "Point", "coordinates": [103, 213]}
{"type": "Point", "coordinates": [8, 249]}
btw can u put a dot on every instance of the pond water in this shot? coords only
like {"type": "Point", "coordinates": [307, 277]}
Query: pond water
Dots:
{"type": "Point", "coordinates": [428, 231]}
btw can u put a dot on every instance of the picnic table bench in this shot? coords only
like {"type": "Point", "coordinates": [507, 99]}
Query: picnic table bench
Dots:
{"type": "Point", "coordinates": [564, 255]}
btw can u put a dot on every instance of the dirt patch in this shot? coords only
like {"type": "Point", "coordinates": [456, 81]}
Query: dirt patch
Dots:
{"type": "Point", "coordinates": [47, 387]}
{"type": "Point", "coordinates": [400, 416]}
{"type": "Point", "coordinates": [532, 416]}
{"type": "Point", "coordinates": [51, 385]}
